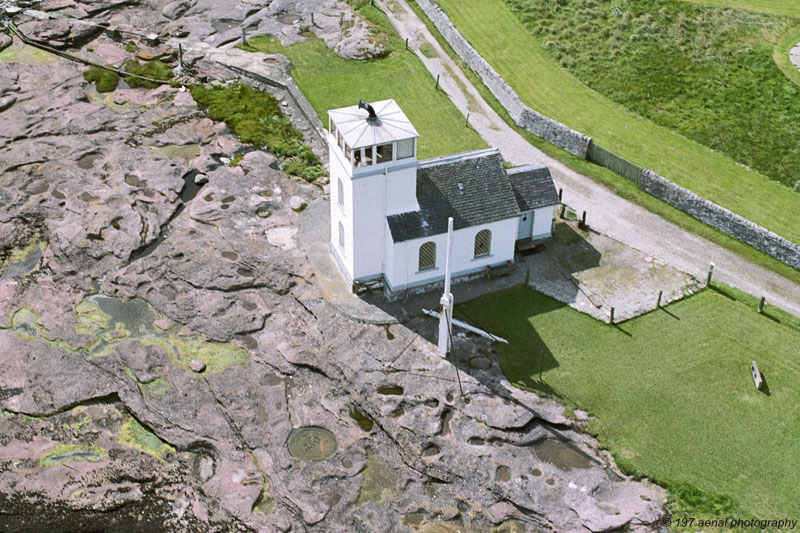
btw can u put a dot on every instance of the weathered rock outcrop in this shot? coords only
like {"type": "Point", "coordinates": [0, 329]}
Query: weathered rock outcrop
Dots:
{"type": "Point", "coordinates": [169, 361]}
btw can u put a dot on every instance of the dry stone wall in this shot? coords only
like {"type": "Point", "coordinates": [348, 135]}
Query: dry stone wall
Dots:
{"type": "Point", "coordinates": [720, 218]}
{"type": "Point", "coordinates": [525, 117]}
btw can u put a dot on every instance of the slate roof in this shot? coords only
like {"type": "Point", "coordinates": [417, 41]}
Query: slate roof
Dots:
{"type": "Point", "coordinates": [485, 195]}
{"type": "Point", "coordinates": [533, 187]}
{"type": "Point", "coordinates": [391, 125]}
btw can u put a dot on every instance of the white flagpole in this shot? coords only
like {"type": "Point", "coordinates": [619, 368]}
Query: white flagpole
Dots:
{"type": "Point", "coordinates": [446, 302]}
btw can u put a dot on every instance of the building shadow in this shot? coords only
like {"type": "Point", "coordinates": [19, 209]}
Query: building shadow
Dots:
{"type": "Point", "coordinates": [574, 252]}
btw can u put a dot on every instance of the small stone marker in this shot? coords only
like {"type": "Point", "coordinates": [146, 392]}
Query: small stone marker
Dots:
{"type": "Point", "coordinates": [756, 375]}
{"type": "Point", "coordinates": [151, 39]}
{"type": "Point", "coordinates": [197, 366]}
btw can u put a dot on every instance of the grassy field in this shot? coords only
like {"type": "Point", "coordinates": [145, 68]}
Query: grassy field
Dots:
{"type": "Point", "coordinates": [705, 73]}
{"type": "Point", "coordinates": [545, 85]}
{"type": "Point", "coordinates": [671, 391]}
{"type": "Point", "coordinates": [329, 81]}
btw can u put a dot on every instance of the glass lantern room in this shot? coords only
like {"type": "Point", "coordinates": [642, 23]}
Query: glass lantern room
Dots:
{"type": "Point", "coordinates": [373, 134]}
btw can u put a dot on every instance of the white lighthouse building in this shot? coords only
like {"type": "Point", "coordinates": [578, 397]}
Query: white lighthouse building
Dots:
{"type": "Point", "coordinates": [389, 211]}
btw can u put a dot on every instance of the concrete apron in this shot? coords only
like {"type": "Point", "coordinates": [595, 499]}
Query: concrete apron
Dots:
{"type": "Point", "coordinates": [589, 287]}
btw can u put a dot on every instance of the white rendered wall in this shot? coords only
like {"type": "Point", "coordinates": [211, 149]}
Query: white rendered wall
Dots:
{"type": "Point", "coordinates": [542, 222]}
{"type": "Point", "coordinates": [401, 189]}
{"type": "Point", "coordinates": [405, 255]}
{"type": "Point", "coordinates": [369, 225]}
{"type": "Point", "coordinates": [340, 170]}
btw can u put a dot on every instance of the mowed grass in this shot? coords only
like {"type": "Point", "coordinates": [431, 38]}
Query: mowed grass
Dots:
{"type": "Point", "coordinates": [546, 86]}
{"type": "Point", "coordinates": [671, 390]}
{"type": "Point", "coordinates": [777, 7]}
{"type": "Point", "coordinates": [330, 82]}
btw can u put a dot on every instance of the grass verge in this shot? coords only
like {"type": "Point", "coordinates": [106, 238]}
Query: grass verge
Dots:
{"type": "Point", "coordinates": [671, 391]}
{"type": "Point", "coordinates": [256, 118]}
{"type": "Point", "coordinates": [613, 181]}
{"type": "Point", "coordinates": [781, 54]}
{"type": "Point", "coordinates": [330, 82]}
{"type": "Point", "coordinates": [547, 87]}
{"type": "Point", "coordinates": [776, 7]}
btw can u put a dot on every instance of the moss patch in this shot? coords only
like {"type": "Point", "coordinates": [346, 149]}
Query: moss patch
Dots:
{"type": "Point", "coordinates": [155, 69]}
{"type": "Point", "coordinates": [379, 482]}
{"type": "Point", "coordinates": [135, 435]}
{"type": "Point", "coordinates": [105, 80]}
{"type": "Point", "coordinates": [256, 118]}
{"type": "Point", "coordinates": [67, 453]}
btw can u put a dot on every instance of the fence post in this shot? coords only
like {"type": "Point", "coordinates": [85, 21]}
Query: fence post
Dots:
{"type": "Point", "coordinates": [710, 273]}
{"type": "Point", "coordinates": [244, 38]}
{"type": "Point", "coordinates": [466, 122]}
{"type": "Point", "coordinates": [406, 43]}
{"type": "Point", "coordinates": [611, 321]}
{"type": "Point", "coordinates": [658, 303]}
{"type": "Point", "coordinates": [583, 221]}
{"type": "Point", "coordinates": [437, 82]}
{"type": "Point", "coordinates": [560, 194]}
{"type": "Point", "coordinates": [761, 304]}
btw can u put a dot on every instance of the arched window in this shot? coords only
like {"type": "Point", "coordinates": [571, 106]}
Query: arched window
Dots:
{"type": "Point", "coordinates": [340, 193]}
{"type": "Point", "coordinates": [341, 237]}
{"type": "Point", "coordinates": [483, 243]}
{"type": "Point", "coordinates": [427, 256]}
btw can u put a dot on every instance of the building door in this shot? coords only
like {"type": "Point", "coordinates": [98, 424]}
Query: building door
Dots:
{"type": "Point", "coordinates": [525, 225]}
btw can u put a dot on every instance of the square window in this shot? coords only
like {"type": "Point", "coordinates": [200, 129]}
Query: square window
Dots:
{"type": "Point", "coordinates": [384, 153]}
{"type": "Point", "coordinates": [405, 149]}
{"type": "Point", "coordinates": [357, 157]}
{"type": "Point", "coordinates": [368, 156]}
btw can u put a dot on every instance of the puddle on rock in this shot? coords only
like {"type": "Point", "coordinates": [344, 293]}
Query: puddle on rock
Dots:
{"type": "Point", "coordinates": [503, 474]}
{"type": "Point", "coordinates": [179, 151]}
{"type": "Point", "coordinates": [392, 390]}
{"type": "Point", "coordinates": [22, 262]}
{"type": "Point", "coordinates": [560, 454]}
{"type": "Point", "coordinates": [108, 320]}
{"type": "Point", "coordinates": [363, 421]}
{"type": "Point", "coordinates": [87, 161]}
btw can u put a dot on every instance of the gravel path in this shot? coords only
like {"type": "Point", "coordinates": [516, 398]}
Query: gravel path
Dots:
{"type": "Point", "coordinates": [794, 55]}
{"type": "Point", "coordinates": [607, 212]}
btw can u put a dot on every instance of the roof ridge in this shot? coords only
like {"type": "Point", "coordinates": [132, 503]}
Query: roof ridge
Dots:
{"type": "Point", "coordinates": [473, 154]}
{"type": "Point", "coordinates": [525, 168]}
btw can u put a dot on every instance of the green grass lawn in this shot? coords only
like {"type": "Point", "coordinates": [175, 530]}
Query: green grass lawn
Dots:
{"type": "Point", "coordinates": [329, 82]}
{"type": "Point", "coordinates": [671, 390]}
{"type": "Point", "coordinates": [546, 86]}
{"type": "Point", "coordinates": [777, 7]}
